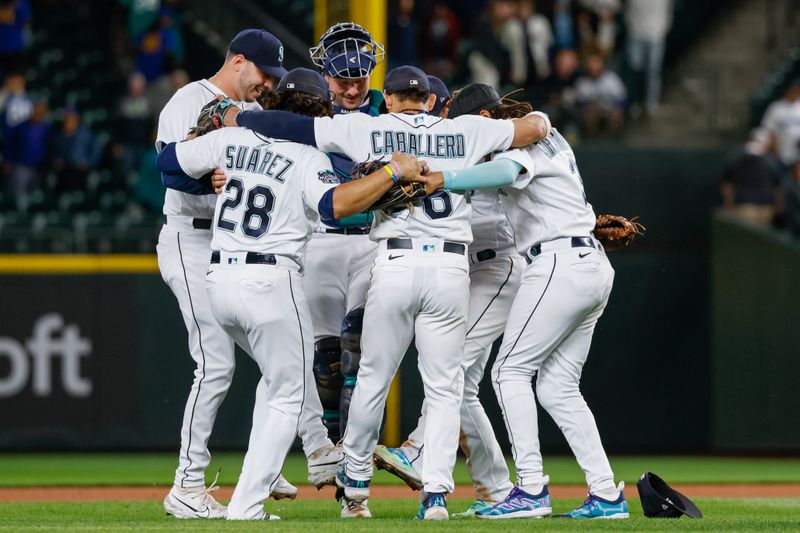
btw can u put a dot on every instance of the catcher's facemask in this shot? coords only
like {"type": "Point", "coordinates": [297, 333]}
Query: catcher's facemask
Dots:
{"type": "Point", "coordinates": [347, 50]}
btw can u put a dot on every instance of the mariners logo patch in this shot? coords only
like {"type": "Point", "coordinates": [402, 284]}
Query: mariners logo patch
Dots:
{"type": "Point", "coordinates": [327, 176]}
{"type": "Point", "coordinates": [280, 54]}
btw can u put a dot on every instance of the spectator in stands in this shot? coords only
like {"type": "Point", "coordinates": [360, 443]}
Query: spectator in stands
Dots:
{"type": "Point", "coordinates": [440, 40]}
{"type": "Point", "coordinates": [782, 120]}
{"type": "Point", "coordinates": [134, 123]}
{"type": "Point", "coordinates": [14, 17]}
{"type": "Point", "coordinates": [648, 22]}
{"type": "Point", "coordinates": [790, 200]}
{"type": "Point", "coordinates": [159, 93]}
{"type": "Point", "coordinates": [750, 180]}
{"type": "Point", "coordinates": [403, 34]}
{"type": "Point", "coordinates": [489, 61]}
{"type": "Point", "coordinates": [155, 47]}
{"type": "Point", "coordinates": [539, 39]}
{"type": "Point", "coordinates": [148, 191]}
{"type": "Point", "coordinates": [15, 104]}
{"type": "Point", "coordinates": [597, 30]}
{"type": "Point", "coordinates": [556, 94]}
{"type": "Point", "coordinates": [601, 98]}
{"type": "Point", "coordinates": [26, 155]}
{"type": "Point", "coordinates": [563, 26]}
{"type": "Point", "coordinates": [74, 153]}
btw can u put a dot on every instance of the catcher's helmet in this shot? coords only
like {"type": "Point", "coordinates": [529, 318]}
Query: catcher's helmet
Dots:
{"type": "Point", "coordinates": [347, 50]}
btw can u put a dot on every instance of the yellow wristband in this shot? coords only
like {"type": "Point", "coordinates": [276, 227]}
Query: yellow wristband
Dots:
{"type": "Point", "coordinates": [391, 173]}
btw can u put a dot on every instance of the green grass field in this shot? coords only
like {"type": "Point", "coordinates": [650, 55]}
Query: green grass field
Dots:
{"type": "Point", "coordinates": [158, 469]}
{"type": "Point", "coordinates": [778, 514]}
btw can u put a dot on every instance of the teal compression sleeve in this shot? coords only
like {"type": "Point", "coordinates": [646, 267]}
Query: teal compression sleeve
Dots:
{"type": "Point", "coordinates": [491, 175]}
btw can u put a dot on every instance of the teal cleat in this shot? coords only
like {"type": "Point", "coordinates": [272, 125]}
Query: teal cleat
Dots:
{"type": "Point", "coordinates": [597, 507]}
{"type": "Point", "coordinates": [519, 504]}
{"type": "Point", "coordinates": [433, 506]}
{"type": "Point", "coordinates": [394, 461]}
{"type": "Point", "coordinates": [477, 506]}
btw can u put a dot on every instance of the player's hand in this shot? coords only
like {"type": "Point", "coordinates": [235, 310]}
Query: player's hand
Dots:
{"type": "Point", "coordinates": [229, 120]}
{"type": "Point", "coordinates": [433, 181]}
{"type": "Point", "coordinates": [410, 166]}
{"type": "Point", "coordinates": [218, 180]}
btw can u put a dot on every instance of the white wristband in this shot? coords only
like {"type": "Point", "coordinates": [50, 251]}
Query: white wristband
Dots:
{"type": "Point", "coordinates": [546, 119]}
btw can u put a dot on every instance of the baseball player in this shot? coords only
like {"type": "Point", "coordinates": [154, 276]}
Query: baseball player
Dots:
{"type": "Point", "coordinates": [563, 292]}
{"type": "Point", "coordinates": [254, 284]}
{"type": "Point", "coordinates": [252, 66]}
{"type": "Point", "coordinates": [340, 254]}
{"type": "Point", "coordinates": [495, 269]}
{"type": "Point", "coordinates": [420, 280]}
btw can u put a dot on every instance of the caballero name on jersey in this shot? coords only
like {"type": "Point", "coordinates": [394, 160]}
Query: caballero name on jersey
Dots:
{"type": "Point", "coordinates": [445, 146]}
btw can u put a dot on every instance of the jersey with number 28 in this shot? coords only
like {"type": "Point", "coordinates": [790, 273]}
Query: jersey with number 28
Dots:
{"type": "Point", "coordinates": [270, 203]}
{"type": "Point", "coordinates": [444, 144]}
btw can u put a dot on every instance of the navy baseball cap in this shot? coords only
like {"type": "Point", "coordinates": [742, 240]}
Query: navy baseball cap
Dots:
{"type": "Point", "coordinates": [442, 94]}
{"type": "Point", "coordinates": [405, 78]}
{"type": "Point", "coordinates": [303, 80]}
{"type": "Point", "coordinates": [262, 48]}
{"type": "Point", "coordinates": [472, 99]}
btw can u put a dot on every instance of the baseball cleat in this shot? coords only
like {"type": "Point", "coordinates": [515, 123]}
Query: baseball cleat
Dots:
{"type": "Point", "coordinates": [599, 508]}
{"type": "Point", "coordinates": [519, 504]}
{"type": "Point", "coordinates": [264, 516]}
{"type": "Point", "coordinates": [355, 508]}
{"type": "Point", "coordinates": [433, 506]}
{"type": "Point", "coordinates": [394, 461]}
{"type": "Point", "coordinates": [354, 489]}
{"type": "Point", "coordinates": [323, 465]}
{"type": "Point", "coordinates": [477, 505]}
{"type": "Point", "coordinates": [193, 503]}
{"type": "Point", "coordinates": [283, 490]}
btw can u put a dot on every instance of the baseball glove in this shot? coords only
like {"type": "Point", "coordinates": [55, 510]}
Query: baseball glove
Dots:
{"type": "Point", "coordinates": [212, 116]}
{"type": "Point", "coordinates": [399, 196]}
{"type": "Point", "coordinates": [615, 231]}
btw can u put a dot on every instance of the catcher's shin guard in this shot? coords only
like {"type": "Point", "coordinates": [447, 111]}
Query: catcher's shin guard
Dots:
{"type": "Point", "coordinates": [329, 380]}
{"type": "Point", "coordinates": [351, 358]}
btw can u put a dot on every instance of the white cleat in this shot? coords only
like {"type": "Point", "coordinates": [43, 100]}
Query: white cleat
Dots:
{"type": "Point", "coordinates": [323, 465]}
{"type": "Point", "coordinates": [283, 490]}
{"type": "Point", "coordinates": [193, 503]}
{"type": "Point", "coordinates": [264, 516]}
{"type": "Point", "coordinates": [355, 508]}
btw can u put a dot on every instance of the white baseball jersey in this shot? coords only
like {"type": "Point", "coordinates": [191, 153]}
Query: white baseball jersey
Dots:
{"type": "Point", "coordinates": [548, 201]}
{"type": "Point", "coordinates": [176, 119]}
{"type": "Point", "coordinates": [271, 199]}
{"type": "Point", "coordinates": [444, 144]}
{"type": "Point", "coordinates": [490, 227]}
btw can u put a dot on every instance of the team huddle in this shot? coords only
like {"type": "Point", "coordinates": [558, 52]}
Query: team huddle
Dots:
{"type": "Point", "coordinates": [272, 245]}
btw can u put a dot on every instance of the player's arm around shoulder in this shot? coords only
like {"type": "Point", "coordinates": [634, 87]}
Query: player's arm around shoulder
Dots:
{"type": "Point", "coordinates": [530, 129]}
{"type": "Point", "coordinates": [196, 157]}
{"type": "Point", "coordinates": [359, 195]}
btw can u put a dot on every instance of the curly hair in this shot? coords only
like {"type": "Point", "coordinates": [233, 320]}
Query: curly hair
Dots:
{"type": "Point", "coordinates": [508, 108]}
{"type": "Point", "coordinates": [296, 102]}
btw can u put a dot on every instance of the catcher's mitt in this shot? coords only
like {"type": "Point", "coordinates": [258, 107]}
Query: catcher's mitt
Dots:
{"type": "Point", "coordinates": [212, 116]}
{"type": "Point", "coordinates": [615, 231]}
{"type": "Point", "coordinates": [399, 196]}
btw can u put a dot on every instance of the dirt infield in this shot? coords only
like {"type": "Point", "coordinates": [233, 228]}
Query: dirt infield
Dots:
{"type": "Point", "coordinates": [87, 494]}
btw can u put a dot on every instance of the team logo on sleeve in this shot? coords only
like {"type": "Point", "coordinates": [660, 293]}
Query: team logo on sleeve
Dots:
{"type": "Point", "coordinates": [327, 176]}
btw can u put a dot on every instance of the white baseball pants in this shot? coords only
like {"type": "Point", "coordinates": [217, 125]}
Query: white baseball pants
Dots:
{"type": "Point", "coordinates": [336, 278]}
{"type": "Point", "coordinates": [420, 293]}
{"type": "Point", "coordinates": [549, 331]}
{"type": "Point", "coordinates": [264, 309]}
{"type": "Point", "coordinates": [493, 285]}
{"type": "Point", "coordinates": [183, 257]}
